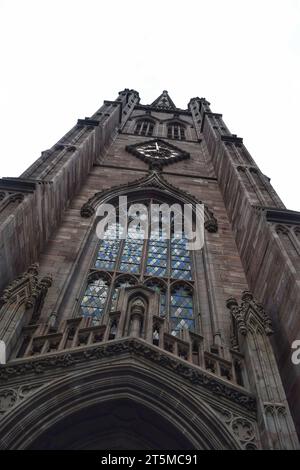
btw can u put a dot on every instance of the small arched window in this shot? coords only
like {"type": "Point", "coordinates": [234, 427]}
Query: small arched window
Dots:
{"type": "Point", "coordinates": [144, 127]}
{"type": "Point", "coordinates": [181, 312]}
{"type": "Point", "coordinates": [94, 299]}
{"type": "Point", "coordinates": [176, 131]}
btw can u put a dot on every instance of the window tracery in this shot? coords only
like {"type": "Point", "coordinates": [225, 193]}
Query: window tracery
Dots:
{"type": "Point", "coordinates": [176, 131]}
{"type": "Point", "coordinates": [144, 127]}
{"type": "Point", "coordinates": [157, 261]}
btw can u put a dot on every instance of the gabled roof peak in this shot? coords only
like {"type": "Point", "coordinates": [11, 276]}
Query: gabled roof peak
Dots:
{"type": "Point", "coordinates": [163, 101]}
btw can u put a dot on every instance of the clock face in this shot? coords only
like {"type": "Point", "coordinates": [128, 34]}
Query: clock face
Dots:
{"type": "Point", "coordinates": [157, 151]}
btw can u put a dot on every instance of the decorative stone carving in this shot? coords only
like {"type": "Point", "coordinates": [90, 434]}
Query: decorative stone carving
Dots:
{"type": "Point", "coordinates": [153, 180]}
{"type": "Point", "coordinates": [243, 429]}
{"type": "Point", "coordinates": [248, 313]}
{"type": "Point", "coordinates": [10, 396]}
{"type": "Point", "coordinates": [28, 287]}
{"type": "Point", "coordinates": [275, 409]}
{"type": "Point", "coordinates": [136, 347]}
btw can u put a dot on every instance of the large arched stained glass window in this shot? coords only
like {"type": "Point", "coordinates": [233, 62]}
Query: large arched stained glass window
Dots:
{"type": "Point", "coordinates": [156, 261]}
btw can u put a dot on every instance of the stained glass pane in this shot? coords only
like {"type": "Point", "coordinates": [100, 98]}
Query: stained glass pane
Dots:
{"type": "Point", "coordinates": [181, 313]}
{"type": "Point", "coordinates": [94, 299]}
{"type": "Point", "coordinates": [132, 252]}
{"type": "Point", "coordinates": [181, 261]}
{"type": "Point", "coordinates": [108, 249]}
{"type": "Point", "coordinates": [157, 258]}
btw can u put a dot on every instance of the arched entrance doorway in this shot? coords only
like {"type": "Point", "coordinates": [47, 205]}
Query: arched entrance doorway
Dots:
{"type": "Point", "coordinates": [114, 425]}
{"type": "Point", "coordinates": [126, 406]}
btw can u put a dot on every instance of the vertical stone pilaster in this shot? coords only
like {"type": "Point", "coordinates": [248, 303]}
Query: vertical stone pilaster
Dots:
{"type": "Point", "coordinates": [253, 328]}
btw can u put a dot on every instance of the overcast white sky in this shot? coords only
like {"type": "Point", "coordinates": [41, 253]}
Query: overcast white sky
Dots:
{"type": "Point", "coordinates": [61, 58]}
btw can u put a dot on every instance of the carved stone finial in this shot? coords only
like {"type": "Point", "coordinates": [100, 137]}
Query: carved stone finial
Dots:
{"type": "Point", "coordinates": [247, 312]}
{"type": "Point", "coordinates": [231, 302]}
{"type": "Point", "coordinates": [247, 296]}
{"type": "Point", "coordinates": [33, 269]}
{"type": "Point", "coordinates": [87, 210]}
{"type": "Point", "coordinates": [46, 281]}
{"type": "Point", "coordinates": [211, 225]}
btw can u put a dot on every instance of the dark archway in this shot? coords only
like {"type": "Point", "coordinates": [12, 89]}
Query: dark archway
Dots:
{"type": "Point", "coordinates": [114, 425]}
{"type": "Point", "coordinates": [154, 397]}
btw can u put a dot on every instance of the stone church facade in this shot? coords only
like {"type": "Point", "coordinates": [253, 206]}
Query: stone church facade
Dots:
{"type": "Point", "coordinates": [133, 344]}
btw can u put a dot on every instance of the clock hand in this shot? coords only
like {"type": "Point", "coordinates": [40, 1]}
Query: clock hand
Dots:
{"type": "Point", "coordinates": [157, 147]}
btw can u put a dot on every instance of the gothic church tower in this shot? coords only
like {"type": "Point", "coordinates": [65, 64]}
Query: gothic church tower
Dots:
{"type": "Point", "coordinates": [145, 344]}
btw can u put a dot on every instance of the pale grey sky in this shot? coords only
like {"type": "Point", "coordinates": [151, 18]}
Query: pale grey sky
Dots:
{"type": "Point", "coordinates": [61, 58]}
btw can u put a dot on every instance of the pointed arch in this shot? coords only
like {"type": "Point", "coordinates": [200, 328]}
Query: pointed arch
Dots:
{"type": "Point", "coordinates": [157, 187]}
{"type": "Point", "coordinates": [32, 423]}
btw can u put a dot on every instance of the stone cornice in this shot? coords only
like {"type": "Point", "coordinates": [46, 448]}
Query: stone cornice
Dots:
{"type": "Point", "coordinates": [233, 139]}
{"type": "Point", "coordinates": [159, 110]}
{"type": "Point", "coordinates": [283, 216]}
{"type": "Point", "coordinates": [279, 216]}
{"type": "Point", "coordinates": [113, 103]}
{"type": "Point", "coordinates": [195, 141]}
{"type": "Point", "coordinates": [134, 347]}
{"type": "Point", "coordinates": [18, 184]}
{"type": "Point", "coordinates": [187, 175]}
{"type": "Point", "coordinates": [87, 122]}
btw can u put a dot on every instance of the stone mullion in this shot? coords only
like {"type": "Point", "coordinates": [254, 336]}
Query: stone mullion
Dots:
{"type": "Point", "coordinates": [113, 278]}
{"type": "Point", "coordinates": [110, 292]}
{"type": "Point", "coordinates": [170, 279]}
{"type": "Point", "coordinates": [143, 265]}
{"type": "Point", "coordinates": [196, 300]}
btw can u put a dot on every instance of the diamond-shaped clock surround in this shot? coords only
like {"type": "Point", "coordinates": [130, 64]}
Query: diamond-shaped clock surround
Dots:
{"type": "Point", "coordinates": [134, 150]}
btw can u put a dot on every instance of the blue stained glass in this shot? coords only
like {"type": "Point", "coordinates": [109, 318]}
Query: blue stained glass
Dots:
{"type": "Point", "coordinates": [157, 258]}
{"type": "Point", "coordinates": [181, 313]}
{"type": "Point", "coordinates": [107, 254]}
{"type": "Point", "coordinates": [131, 256]}
{"type": "Point", "coordinates": [132, 252]}
{"type": "Point", "coordinates": [180, 259]}
{"type": "Point", "coordinates": [94, 299]}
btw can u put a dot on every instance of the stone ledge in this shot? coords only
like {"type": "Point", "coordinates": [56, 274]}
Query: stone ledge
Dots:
{"type": "Point", "coordinates": [135, 347]}
{"type": "Point", "coordinates": [280, 216]}
{"type": "Point", "coordinates": [88, 122]}
{"type": "Point", "coordinates": [233, 139]}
